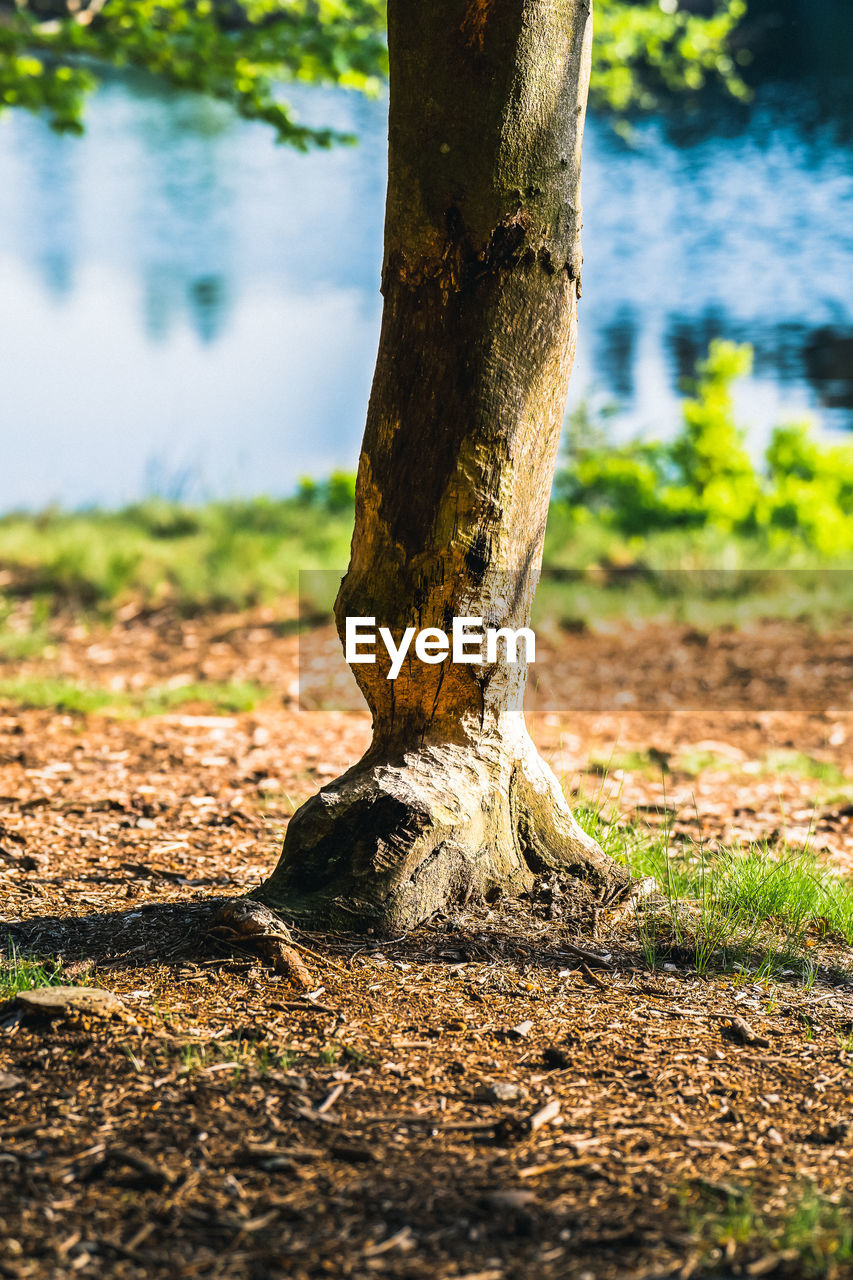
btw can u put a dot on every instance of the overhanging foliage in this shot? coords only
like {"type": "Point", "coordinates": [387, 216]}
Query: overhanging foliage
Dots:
{"type": "Point", "coordinates": [242, 52]}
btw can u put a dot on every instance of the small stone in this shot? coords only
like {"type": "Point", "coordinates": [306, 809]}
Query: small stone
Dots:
{"type": "Point", "coordinates": [8, 1081]}
{"type": "Point", "coordinates": [500, 1091]}
{"type": "Point", "coordinates": [522, 1031]}
{"type": "Point", "coordinates": [60, 1002]}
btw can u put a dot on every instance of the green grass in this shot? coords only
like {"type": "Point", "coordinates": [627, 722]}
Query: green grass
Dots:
{"type": "Point", "coordinates": [220, 557]}
{"type": "Point", "coordinates": [681, 578]}
{"type": "Point", "coordinates": [15, 646]}
{"type": "Point", "coordinates": [758, 909]}
{"type": "Point", "coordinates": [24, 628]}
{"type": "Point", "coordinates": [654, 763]}
{"type": "Point", "coordinates": [792, 890]}
{"type": "Point", "coordinates": [687, 530]}
{"type": "Point", "coordinates": [814, 1231]}
{"type": "Point", "coordinates": [214, 557]}
{"type": "Point", "coordinates": [693, 762]}
{"type": "Point", "coordinates": [797, 764]}
{"type": "Point", "coordinates": [23, 973]}
{"type": "Point", "coordinates": [226, 697]}
{"type": "Point", "coordinates": [650, 761]}
{"type": "Point", "coordinates": [65, 695]}
{"type": "Point", "coordinates": [788, 888]}
{"type": "Point", "coordinates": [58, 695]}
{"type": "Point", "coordinates": [232, 1055]}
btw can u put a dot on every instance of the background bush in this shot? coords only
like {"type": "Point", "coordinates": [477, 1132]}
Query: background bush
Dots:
{"type": "Point", "coordinates": [799, 496]}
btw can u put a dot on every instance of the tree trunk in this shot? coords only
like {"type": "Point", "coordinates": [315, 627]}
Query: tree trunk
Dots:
{"type": "Point", "coordinates": [481, 279]}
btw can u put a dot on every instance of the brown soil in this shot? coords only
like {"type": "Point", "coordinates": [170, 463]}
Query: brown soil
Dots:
{"type": "Point", "coordinates": [231, 1125]}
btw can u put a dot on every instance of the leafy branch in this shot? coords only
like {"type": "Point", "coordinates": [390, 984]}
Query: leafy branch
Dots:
{"type": "Point", "coordinates": [243, 51]}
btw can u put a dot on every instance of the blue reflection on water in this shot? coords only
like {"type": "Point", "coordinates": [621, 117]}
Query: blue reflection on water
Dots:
{"type": "Point", "coordinates": [184, 306]}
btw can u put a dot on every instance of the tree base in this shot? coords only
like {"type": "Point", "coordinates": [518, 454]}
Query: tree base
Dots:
{"type": "Point", "coordinates": [387, 845]}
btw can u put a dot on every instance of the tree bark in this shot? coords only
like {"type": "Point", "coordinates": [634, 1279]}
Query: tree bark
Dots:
{"type": "Point", "coordinates": [481, 279]}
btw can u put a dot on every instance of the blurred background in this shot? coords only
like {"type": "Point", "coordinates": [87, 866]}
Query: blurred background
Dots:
{"type": "Point", "coordinates": [189, 316]}
{"type": "Point", "coordinates": [189, 310]}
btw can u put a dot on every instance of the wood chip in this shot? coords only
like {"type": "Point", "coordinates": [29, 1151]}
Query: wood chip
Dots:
{"type": "Point", "coordinates": [330, 1101]}
{"type": "Point", "coordinates": [740, 1030]}
{"type": "Point", "coordinates": [591, 958]}
{"type": "Point", "coordinates": [402, 1239]}
{"type": "Point", "coordinates": [522, 1031]}
{"type": "Point", "coordinates": [593, 979]}
{"type": "Point", "coordinates": [499, 1091]}
{"type": "Point", "coordinates": [61, 1002]}
{"type": "Point", "coordinates": [150, 1174]}
{"type": "Point", "coordinates": [511, 1198]}
{"type": "Point", "coordinates": [545, 1114]}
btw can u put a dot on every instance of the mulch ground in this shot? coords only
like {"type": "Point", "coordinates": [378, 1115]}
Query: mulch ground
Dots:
{"type": "Point", "coordinates": [472, 1100]}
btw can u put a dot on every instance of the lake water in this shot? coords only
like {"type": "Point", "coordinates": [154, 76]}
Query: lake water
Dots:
{"type": "Point", "coordinates": [186, 308]}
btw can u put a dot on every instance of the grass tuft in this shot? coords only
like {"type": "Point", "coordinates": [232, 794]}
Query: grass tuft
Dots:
{"type": "Point", "coordinates": [57, 695]}
{"type": "Point", "coordinates": [759, 909]}
{"type": "Point", "coordinates": [64, 695]}
{"type": "Point", "coordinates": [24, 973]}
{"type": "Point", "coordinates": [216, 557]}
{"type": "Point", "coordinates": [814, 1235]}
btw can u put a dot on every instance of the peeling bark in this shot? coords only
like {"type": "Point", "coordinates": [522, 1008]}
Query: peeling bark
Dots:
{"type": "Point", "coordinates": [481, 279]}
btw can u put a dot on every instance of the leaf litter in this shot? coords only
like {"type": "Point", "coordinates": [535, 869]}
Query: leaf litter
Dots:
{"type": "Point", "coordinates": [508, 1091]}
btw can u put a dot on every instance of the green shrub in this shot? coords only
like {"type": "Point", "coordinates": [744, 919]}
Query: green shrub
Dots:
{"type": "Point", "coordinates": [801, 496]}
{"type": "Point", "coordinates": [335, 494]}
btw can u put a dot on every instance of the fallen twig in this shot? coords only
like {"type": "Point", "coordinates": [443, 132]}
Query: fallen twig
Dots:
{"type": "Point", "coordinates": [589, 957]}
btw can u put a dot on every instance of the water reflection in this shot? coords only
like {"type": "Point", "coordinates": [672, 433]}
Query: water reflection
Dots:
{"type": "Point", "coordinates": [186, 307]}
{"type": "Point", "coordinates": [615, 346]}
{"type": "Point", "coordinates": [828, 361]}
{"type": "Point", "coordinates": [204, 301]}
{"type": "Point", "coordinates": [734, 222]}
{"type": "Point", "coordinates": [50, 207]}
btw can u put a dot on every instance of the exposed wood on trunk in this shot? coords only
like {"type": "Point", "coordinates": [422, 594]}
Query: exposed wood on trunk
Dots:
{"type": "Point", "coordinates": [481, 279]}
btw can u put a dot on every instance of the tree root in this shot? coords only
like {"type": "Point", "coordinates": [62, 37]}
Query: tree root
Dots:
{"type": "Point", "coordinates": [255, 928]}
{"type": "Point", "coordinates": [387, 845]}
